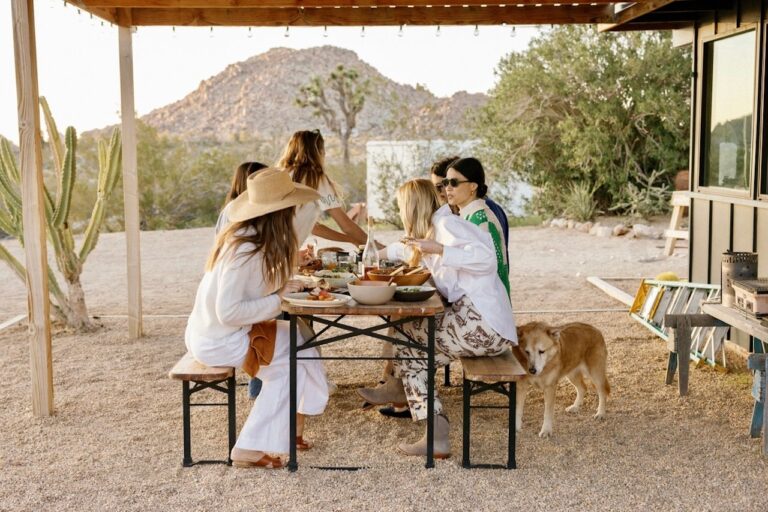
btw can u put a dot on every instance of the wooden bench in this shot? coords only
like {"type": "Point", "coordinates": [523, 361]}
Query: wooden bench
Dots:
{"type": "Point", "coordinates": [499, 374]}
{"type": "Point", "coordinates": [187, 370]}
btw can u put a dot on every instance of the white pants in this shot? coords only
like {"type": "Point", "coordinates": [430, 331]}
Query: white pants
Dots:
{"type": "Point", "coordinates": [267, 428]}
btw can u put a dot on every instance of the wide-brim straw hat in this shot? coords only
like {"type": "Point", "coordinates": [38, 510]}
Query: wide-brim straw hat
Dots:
{"type": "Point", "coordinates": [269, 190]}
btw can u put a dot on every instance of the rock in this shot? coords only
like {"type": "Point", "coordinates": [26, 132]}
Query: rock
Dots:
{"type": "Point", "coordinates": [620, 230]}
{"type": "Point", "coordinates": [646, 231]}
{"type": "Point", "coordinates": [559, 223]}
{"type": "Point", "coordinates": [571, 223]}
{"type": "Point", "coordinates": [631, 235]}
{"type": "Point", "coordinates": [584, 227]}
{"type": "Point", "coordinates": [604, 232]}
{"type": "Point", "coordinates": [546, 222]}
{"type": "Point", "coordinates": [593, 229]}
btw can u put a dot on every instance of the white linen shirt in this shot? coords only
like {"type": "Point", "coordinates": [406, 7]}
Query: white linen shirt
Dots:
{"type": "Point", "coordinates": [467, 267]}
{"type": "Point", "coordinates": [307, 214]}
{"type": "Point", "coordinates": [230, 299]}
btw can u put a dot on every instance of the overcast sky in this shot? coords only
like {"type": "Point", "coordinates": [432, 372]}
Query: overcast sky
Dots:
{"type": "Point", "coordinates": [78, 65]}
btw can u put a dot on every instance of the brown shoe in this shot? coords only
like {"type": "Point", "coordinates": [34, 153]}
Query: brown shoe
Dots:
{"type": "Point", "coordinates": [242, 458]}
{"type": "Point", "coordinates": [303, 444]}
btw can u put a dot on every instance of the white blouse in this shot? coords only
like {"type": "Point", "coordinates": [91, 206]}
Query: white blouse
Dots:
{"type": "Point", "coordinates": [230, 298]}
{"type": "Point", "coordinates": [307, 214]}
{"type": "Point", "coordinates": [467, 267]}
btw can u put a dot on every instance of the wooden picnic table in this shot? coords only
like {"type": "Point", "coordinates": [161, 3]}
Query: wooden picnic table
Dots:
{"type": "Point", "coordinates": [392, 314]}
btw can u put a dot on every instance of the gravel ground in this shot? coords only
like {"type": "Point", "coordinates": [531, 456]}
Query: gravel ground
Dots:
{"type": "Point", "coordinates": [116, 441]}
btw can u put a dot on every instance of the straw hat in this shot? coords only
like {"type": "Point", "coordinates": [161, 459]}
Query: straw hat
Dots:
{"type": "Point", "coordinates": [268, 191]}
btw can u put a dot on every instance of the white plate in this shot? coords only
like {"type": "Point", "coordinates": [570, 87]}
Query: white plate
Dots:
{"type": "Point", "coordinates": [299, 299]}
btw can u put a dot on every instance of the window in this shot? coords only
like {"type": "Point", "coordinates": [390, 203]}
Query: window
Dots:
{"type": "Point", "coordinates": [729, 98]}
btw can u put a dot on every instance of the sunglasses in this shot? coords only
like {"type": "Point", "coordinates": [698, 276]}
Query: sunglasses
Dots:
{"type": "Point", "coordinates": [453, 182]}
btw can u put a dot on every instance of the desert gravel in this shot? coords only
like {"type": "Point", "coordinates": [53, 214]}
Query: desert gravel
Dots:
{"type": "Point", "coordinates": [115, 441]}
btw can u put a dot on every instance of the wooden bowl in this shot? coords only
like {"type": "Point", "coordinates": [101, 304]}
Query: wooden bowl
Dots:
{"type": "Point", "coordinates": [400, 280]}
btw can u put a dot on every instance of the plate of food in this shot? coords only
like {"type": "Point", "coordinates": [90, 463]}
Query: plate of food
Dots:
{"type": "Point", "coordinates": [333, 278]}
{"type": "Point", "coordinates": [413, 293]}
{"type": "Point", "coordinates": [316, 298]}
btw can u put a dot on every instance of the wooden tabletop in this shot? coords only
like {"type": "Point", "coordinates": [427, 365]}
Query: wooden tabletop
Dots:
{"type": "Point", "coordinates": [429, 307]}
{"type": "Point", "coordinates": [738, 319]}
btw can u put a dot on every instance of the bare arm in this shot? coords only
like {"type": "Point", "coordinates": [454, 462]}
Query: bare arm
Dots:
{"type": "Point", "coordinates": [324, 231]}
{"type": "Point", "coordinates": [353, 232]}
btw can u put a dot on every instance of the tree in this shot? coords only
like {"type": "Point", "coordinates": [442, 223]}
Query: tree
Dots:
{"type": "Point", "coordinates": [610, 110]}
{"type": "Point", "coordinates": [339, 112]}
{"type": "Point", "coordinates": [69, 307]}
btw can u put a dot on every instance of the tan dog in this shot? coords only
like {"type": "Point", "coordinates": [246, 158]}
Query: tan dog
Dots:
{"type": "Point", "coordinates": [575, 351]}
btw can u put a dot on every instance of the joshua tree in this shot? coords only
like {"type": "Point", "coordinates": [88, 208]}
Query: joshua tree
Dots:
{"type": "Point", "coordinates": [340, 112]}
{"type": "Point", "coordinates": [69, 307]}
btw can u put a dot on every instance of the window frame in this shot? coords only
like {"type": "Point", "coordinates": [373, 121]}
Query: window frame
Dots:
{"type": "Point", "coordinates": [755, 154]}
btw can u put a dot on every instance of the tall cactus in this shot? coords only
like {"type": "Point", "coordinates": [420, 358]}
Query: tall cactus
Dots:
{"type": "Point", "coordinates": [69, 307]}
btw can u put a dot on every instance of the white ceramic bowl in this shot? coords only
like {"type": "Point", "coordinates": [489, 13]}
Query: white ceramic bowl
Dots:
{"type": "Point", "coordinates": [335, 279]}
{"type": "Point", "coordinates": [371, 292]}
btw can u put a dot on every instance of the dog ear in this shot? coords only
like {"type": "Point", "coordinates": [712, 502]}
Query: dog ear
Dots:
{"type": "Point", "coordinates": [519, 332]}
{"type": "Point", "coordinates": [554, 333]}
{"type": "Point", "coordinates": [520, 356]}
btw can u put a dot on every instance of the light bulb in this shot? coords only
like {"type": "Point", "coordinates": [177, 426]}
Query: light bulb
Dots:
{"type": "Point", "coordinates": [512, 32]}
{"type": "Point", "coordinates": [362, 32]}
{"type": "Point", "coordinates": [325, 31]}
{"type": "Point", "coordinates": [287, 34]}
{"type": "Point", "coordinates": [437, 34]}
{"type": "Point", "coordinates": [250, 32]}
{"type": "Point", "coordinates": [400, 32]}
{"type": "Point", "coordinates": [477, 31]}
{"type": "Point", "coordinates": [210, 34]}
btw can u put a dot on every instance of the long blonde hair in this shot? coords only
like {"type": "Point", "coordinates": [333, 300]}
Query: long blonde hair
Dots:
{"type": "Point", "coordinates": [418, 201]}
{"type": "Point", "coordinates": [304, 156]}
{"type": "Point", "coordinates": [272, 234]}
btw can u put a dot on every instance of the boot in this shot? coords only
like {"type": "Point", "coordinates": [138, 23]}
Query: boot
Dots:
{"type": "Point", "coordinates": [391, 392]}
{"type": "Point", "coordinates": [442, 444]}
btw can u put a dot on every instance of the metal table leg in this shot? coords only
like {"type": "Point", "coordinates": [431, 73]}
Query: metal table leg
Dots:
{"type": "Point", "coordinates": [293, 464]}
{"type": "Point", "coordinates": [430, 392]}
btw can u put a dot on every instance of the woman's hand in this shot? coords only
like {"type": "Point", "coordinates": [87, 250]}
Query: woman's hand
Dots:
{"type": "Point", "coordinates": [292, 286]}
{"type": "Point", "coordinates": [427, 246]}
{"type": "Point", "coordinates": [306, 256]}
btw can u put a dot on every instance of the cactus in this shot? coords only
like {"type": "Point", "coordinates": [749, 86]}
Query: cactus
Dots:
{"type": "Point", "coordinates": [69, 307]}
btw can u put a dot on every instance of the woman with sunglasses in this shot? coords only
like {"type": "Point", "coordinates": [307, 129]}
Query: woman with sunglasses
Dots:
{"type": "Point", "coordinates": [303, 157]}
{"type": "Point", "coordinates": [477, 322]}
{"type": "Point", "coordinates": [465, 189]}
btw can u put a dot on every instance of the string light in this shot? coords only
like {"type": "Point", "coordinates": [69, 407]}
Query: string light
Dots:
{"type": "Point", "coordinates": [362, 32]}
{"type": "Point", "coordinates": [477, 31]}
{"type": "Point", "coordinates": [512, 32]}
{"type": "Point", "coordinates": [287, 34]}
{"type": "Point", "coordinates": [400, 32]}
{"type": "Point", "coordinates": [210, 34]}
{"type": "Point", "coordinates": [325, 31]}
{"type": "Point", "coordinates": [173, 29]}
{"type": "Point", "coordinates": [437, 34]}
{"type": "Point", "coordinates": [250, 33]}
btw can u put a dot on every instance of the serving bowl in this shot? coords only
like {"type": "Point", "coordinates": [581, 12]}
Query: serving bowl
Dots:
{"type": "Point", "coordinates": [401, 279]}
{"type": "Point", "coordinates": [333, 278]}
{"type": "Point", "coordinates": [371, 292]}
{"type": "Point", "coordinates": [413, 293]}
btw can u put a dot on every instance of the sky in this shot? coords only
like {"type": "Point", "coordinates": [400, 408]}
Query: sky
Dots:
{"type": "Point", "coordinates": [78, 66]}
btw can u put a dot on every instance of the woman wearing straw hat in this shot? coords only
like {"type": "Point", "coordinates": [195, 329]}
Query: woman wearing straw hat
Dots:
{"type": "Point", "coordinates": [232, 322]}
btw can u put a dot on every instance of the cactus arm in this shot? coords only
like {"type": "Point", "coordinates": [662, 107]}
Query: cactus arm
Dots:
{"type": "Point", "coordinates": [7, 159]}
{"type": "Point", "coordinates": [7, 222]}
{"type": "Point", "coordinates": [67, 179]}
{"type": "Point", "coordinates": [12, 262]}
{"type": "Point", "coordinates": [7, 183]}
{"type": "Point", "coordinates": [54, 138]}
{"type": "Point", "coordinates": [110, 162]}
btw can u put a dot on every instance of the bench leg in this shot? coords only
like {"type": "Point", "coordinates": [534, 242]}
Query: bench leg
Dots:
{"type": "Point", "coordinates": [511, 463]}
{"type": "Point", "coordinates": [683, 338]}
{"type": "Point", "coordinates": [466, 425]}
{"type": "Point", "coordinates": [757, 419]}
{"type": "Point", "coordinates": [231, 416]}
{"type": "Point", "coordinates": [185, 394]}
{"type": "Point", "coordinates": [671, 367]}
{"type": "Point", "coordinates": [447, 380]}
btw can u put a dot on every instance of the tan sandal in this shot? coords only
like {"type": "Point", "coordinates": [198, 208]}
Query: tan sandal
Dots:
{"type": "Point", "coordinates": [265, 462]}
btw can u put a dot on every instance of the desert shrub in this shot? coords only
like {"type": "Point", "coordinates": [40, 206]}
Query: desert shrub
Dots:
{"type": "Point", "coordinates": [649, 197]}
{"type": "Point", "coordinates": [579, 202]}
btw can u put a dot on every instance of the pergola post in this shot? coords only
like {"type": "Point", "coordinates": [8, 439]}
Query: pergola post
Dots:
{"type": "Point", "coordinates": [130, 184]}
{"type": "Point", "coordinates": [33, 210]}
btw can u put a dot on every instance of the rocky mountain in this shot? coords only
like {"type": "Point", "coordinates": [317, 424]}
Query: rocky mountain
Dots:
{"type": "Point", "coordinates": [256, 99]}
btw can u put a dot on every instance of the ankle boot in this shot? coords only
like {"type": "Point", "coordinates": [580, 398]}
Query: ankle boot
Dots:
{"type": "Point", "coordinates": [391, 392]}
{"type": "Point", "coordinates": [442, 444]}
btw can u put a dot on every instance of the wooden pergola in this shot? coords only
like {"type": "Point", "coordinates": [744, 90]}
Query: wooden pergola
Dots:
{"type": "Point", "coordinates": [639, 15]}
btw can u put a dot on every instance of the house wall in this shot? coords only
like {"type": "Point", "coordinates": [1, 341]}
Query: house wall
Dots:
{"type": "Point", "coordinates": [719, 221]}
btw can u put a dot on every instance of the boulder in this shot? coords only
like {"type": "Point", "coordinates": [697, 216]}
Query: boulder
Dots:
{"type": "Point", "coordinates": [604, 232]}
{"type": "Point", "coordinates": [593, 229]}
{"type": "Point", "coordinates": [620, 230]}
{"type": "Point", "coordinates": [646, 231]}
{"type": "Point", "coordinates": [570, 224]}
{"type": "Point", "coordinates": [584, 227]}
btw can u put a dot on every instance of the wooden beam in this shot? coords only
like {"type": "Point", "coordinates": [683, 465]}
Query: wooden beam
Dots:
{"type": "Point", "coordinates": [224, 4]}
{"type": "Point", "coordinates": [107, 14]}
{"type": "Point", "coordinates": [130, 184]}
{"type": "Point", "coordinates": [440, 15]}
{"type": "Point", "coordinates": [33, 213]}
{"type": "Point", "coordinates": [633, 12]}
{"type": "Point", "coordinates": [612, 291]}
